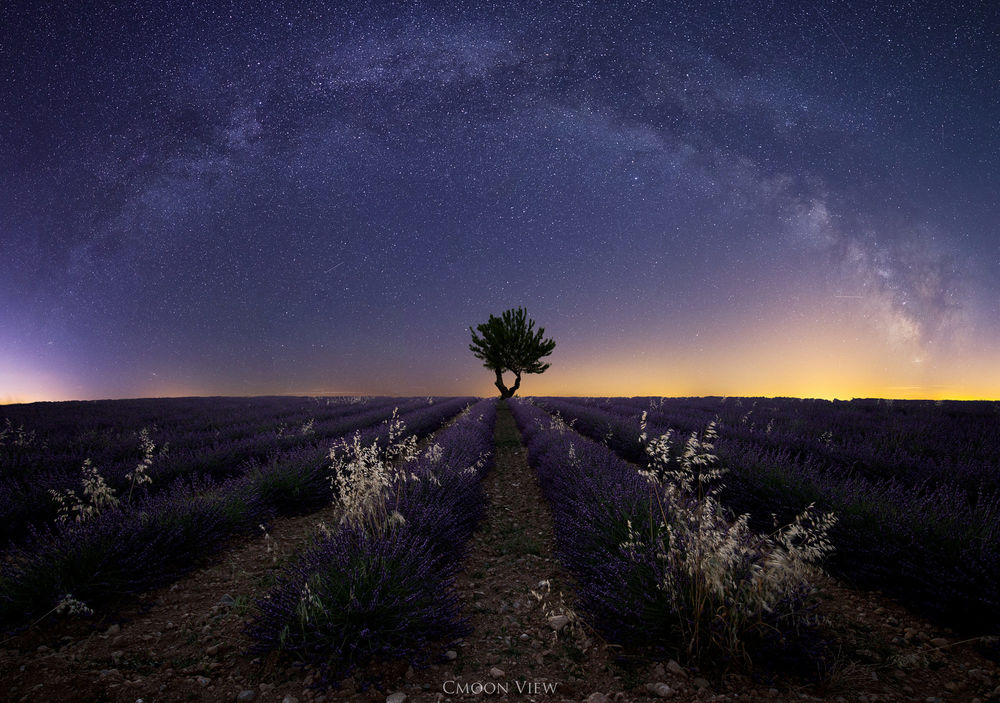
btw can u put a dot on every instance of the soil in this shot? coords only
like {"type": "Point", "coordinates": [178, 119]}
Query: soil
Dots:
{"type": "Point", "coordinates": [186, 642]}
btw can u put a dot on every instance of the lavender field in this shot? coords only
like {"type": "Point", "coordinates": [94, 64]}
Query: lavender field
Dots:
{"type": "Point", "coordinates": [164, 483]}
{"type": "Point", "coordinates": [683, 529]}
{"type": "Point", "coordinates": [915, 485]}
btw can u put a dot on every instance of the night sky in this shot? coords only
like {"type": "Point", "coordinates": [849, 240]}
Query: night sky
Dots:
{"type": "Point", "coordinates": [729, 198]}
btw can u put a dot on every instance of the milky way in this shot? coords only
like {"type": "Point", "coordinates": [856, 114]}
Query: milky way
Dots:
{"type": "Point", "coordinates": [738, 198]}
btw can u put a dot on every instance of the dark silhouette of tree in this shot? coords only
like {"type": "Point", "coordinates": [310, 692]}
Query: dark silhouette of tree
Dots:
{"type": "Point", "coordinates": [508, 343]}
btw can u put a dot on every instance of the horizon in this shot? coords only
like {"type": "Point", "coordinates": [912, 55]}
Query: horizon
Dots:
{"type": "Point", "coordinates": [753, 199]}
{"type": "Point", "coordinates": [494, 395]}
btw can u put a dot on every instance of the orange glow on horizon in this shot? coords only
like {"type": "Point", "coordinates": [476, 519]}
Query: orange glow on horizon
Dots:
{"type": "Point", "coordinates": [811, 360]}
{"type": "Point", "coordinates": [827, 357]}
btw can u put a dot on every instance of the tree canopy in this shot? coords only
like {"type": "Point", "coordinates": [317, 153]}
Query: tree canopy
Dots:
{"type": "Point", "coordinates": [509, 343]}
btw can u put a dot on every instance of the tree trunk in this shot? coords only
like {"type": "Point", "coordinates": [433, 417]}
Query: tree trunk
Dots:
{"type": "Point", "coordinates": [504, 391]}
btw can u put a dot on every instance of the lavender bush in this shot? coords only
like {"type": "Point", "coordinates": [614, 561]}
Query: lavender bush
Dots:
{"type": "Point", "coordinates": [299, 482]}
{"type": "Point", "coordinates": [380, 585]}
{"type": "Point", "coordinates": [358, 597]}
{"type": "Point", "coordinates": [225, 445]}
{"type": "Point", "coordinates": [117, 548]}
{"type": "Point", "coordinates": [660, 563]}
{"type": "Point", "coordinates": [124, 551]}
{"type": "Point", "coordinates": [938, 547]}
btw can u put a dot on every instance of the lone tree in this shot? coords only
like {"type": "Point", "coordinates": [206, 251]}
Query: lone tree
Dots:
{"type": "Point", "coordinates": [508, 343]}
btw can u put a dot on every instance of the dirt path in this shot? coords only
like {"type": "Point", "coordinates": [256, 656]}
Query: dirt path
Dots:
{"type": "Point", "coordinates": [514, 650]}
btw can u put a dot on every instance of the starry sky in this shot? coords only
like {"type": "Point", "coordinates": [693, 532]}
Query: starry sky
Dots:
{"type": "Point", "coordinates": [743, 197]}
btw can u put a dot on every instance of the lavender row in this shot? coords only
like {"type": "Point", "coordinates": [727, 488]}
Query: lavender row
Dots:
{"type": "Point", "coordinates": [914, 442]}
{"type": "Point", "coordinates": [298, 482]}
{"type": "Point", "coordinates": [617, 533]}
{"type": "Point", "coordinates": [57, 435]}
{"type": "Point", "coordinates": [26, 500]}
{"type": "Point", "coordinates": [365, 594]}
{"type": "Point", "coordinates": [931, 548]}
{"type": "Point", "coordinates": [29, 455]}
{"type": "Point", "coordinates": [594, 500]}
{"type": "Point", "coordinates": [127, 549]}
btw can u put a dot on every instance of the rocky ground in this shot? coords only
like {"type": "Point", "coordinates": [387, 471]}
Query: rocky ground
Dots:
{"type": "Point", "coordinates": [186, 642]}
